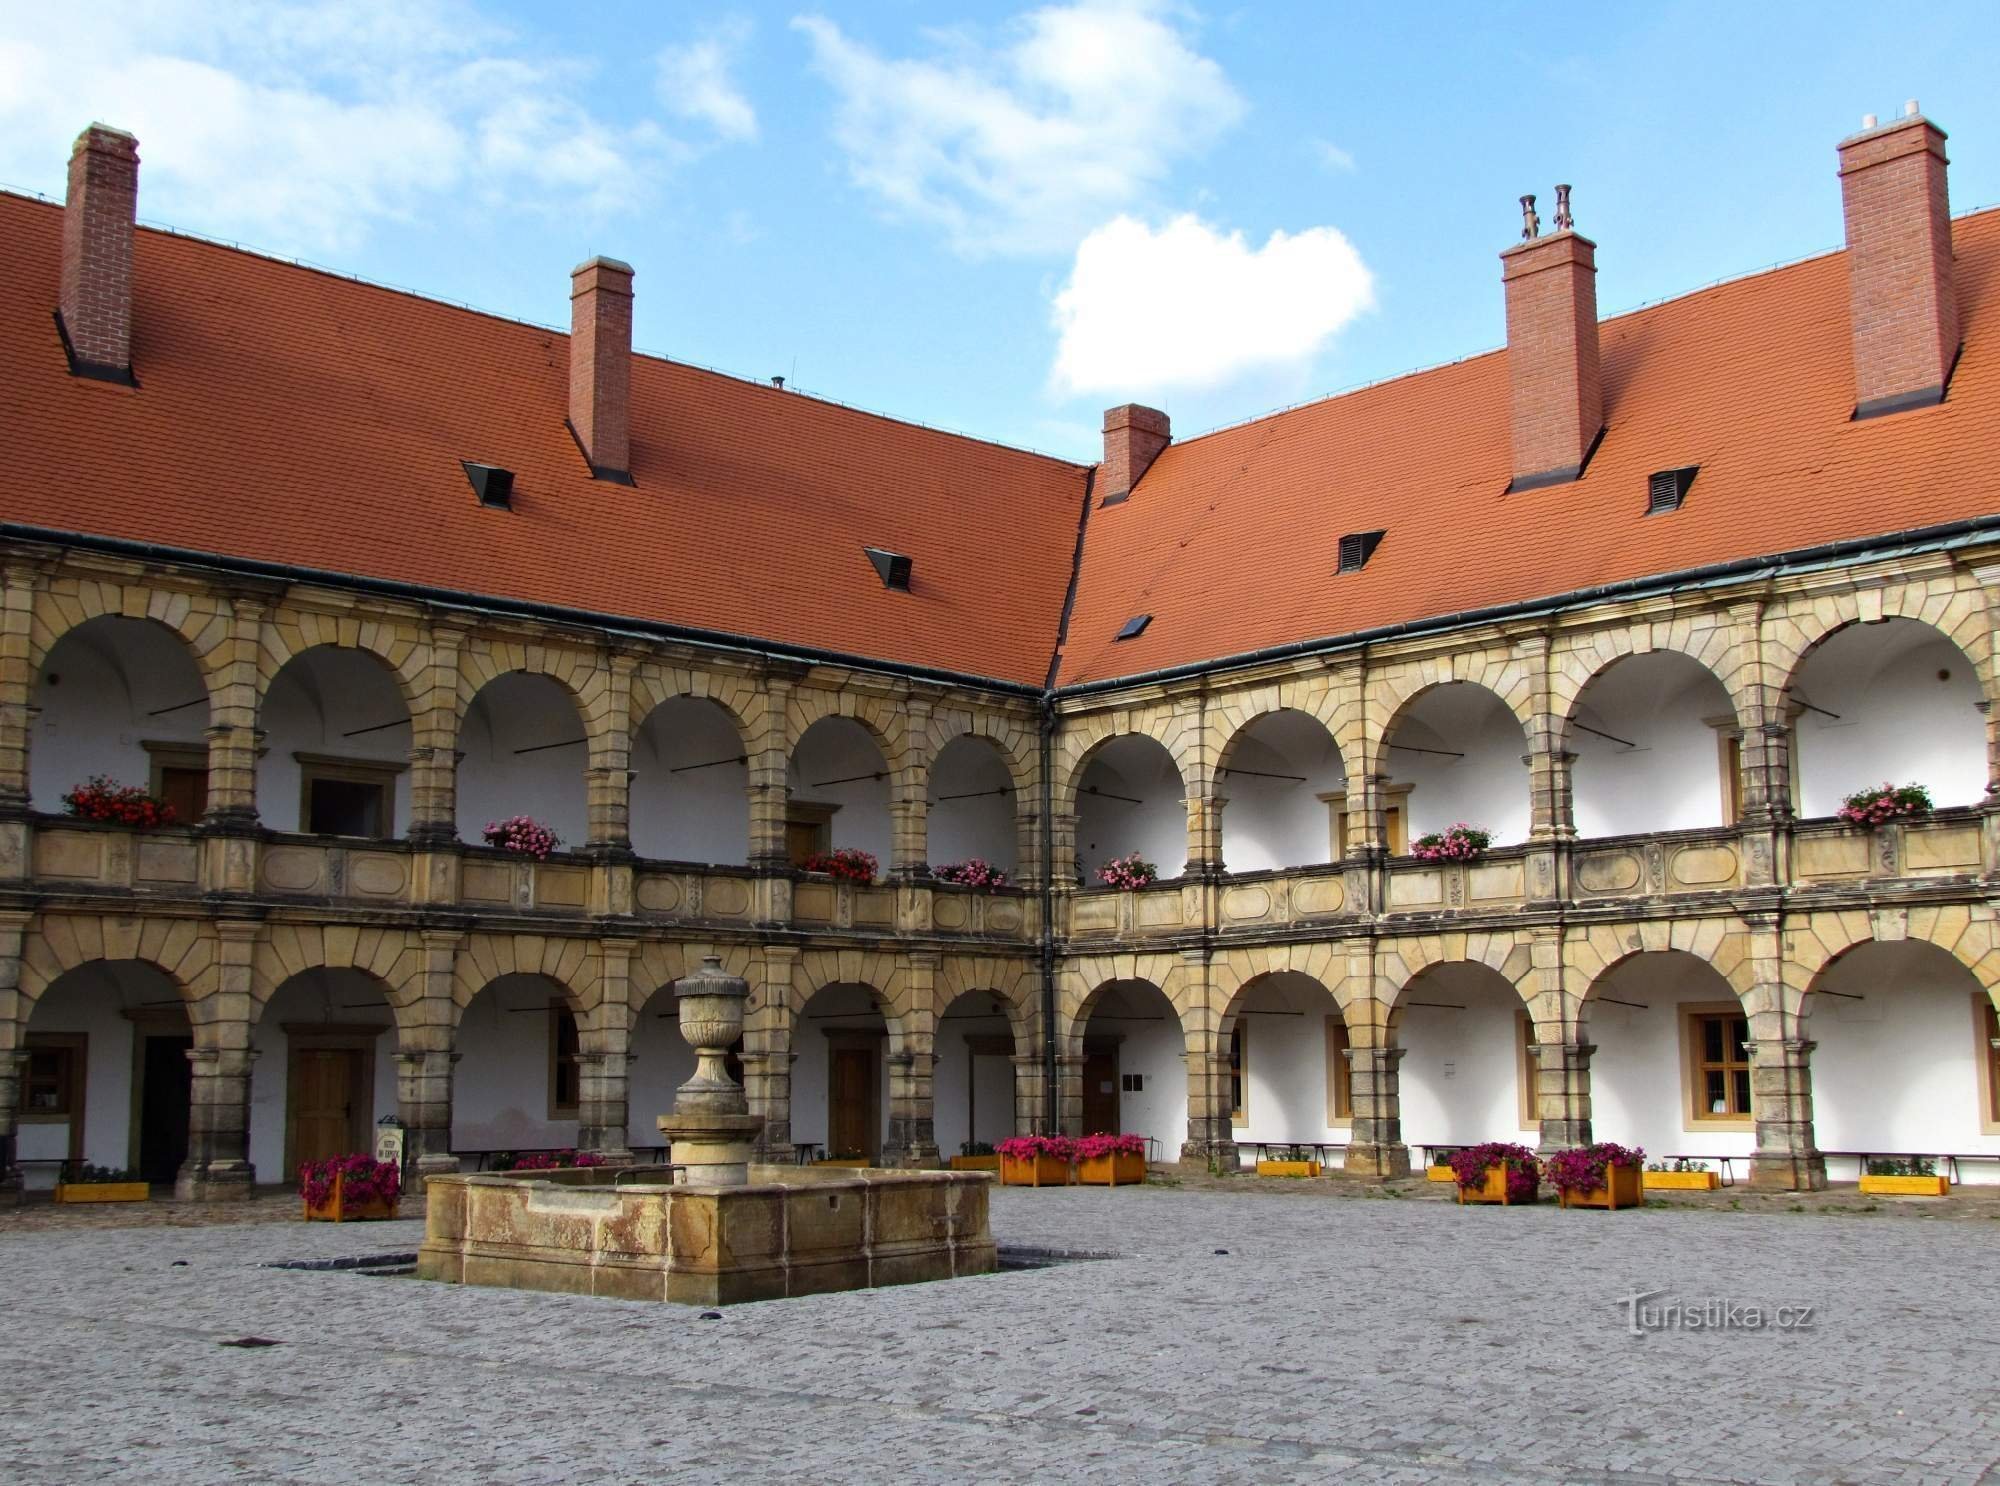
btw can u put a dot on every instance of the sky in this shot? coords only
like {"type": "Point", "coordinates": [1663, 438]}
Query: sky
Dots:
{"type": "Point", "coordinates": [1003, 218]}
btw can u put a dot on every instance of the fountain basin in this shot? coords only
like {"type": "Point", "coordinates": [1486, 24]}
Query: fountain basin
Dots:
{"type": "Point", "coordinates": [791, 1231]}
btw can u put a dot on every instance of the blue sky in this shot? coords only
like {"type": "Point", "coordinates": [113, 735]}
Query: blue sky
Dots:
{"type": "Point", "coordinates": [1004, 218]}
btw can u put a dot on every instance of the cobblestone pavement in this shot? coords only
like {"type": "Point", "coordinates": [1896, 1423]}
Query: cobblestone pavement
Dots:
{"type": "Point", "coordinates": [1388, 1340]}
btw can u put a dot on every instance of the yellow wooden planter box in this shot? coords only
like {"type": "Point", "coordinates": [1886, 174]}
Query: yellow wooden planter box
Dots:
{"type": "Point", "coordinates": [1622, 1187]}
{"type": "Point", "coordinates": [70, 1192]}
{"type": "Point", "coordinates": [853, 1163]}
{"type": "Point", "coordinates": [340, 1208]}
{"type": "Point", "coordinates": [1906, 1186]}
{"type": "Point", "coordinates": [975, 1163]}
{"type": "Point", "coordinates": [1288, 1168]}
{"type": "Point", "coordinates": [1112, 1171]}
{"type": "Point", "coordinates": [1494, 1189]}
{"type": "Point", "coordinates": [1439, 1174]}
{"type": "Point", "coordinates": [1682, 1181]}
{"type": "Point", "coordinates": [1034, 1171]}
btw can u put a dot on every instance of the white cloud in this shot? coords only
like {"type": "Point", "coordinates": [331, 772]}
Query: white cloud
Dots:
{"type": "Point", "coordinates": [1189, 307]}
{"type": "Point", "coordinates": [694, 81]}
{"type": "Point", "coordinates": [1331, 155]}
{"type": "Point", "coordinates": [300, 126]}
{"type": "Point", "coordinates": [1017, 148]}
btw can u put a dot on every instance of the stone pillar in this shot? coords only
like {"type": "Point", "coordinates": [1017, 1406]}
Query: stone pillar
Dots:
{"type": "Point", "coordinates": [1027, 1093]}
{"type": "Point", "coordinates": [604, 1073]}
{"type": "Point", "coordinates": [1562, 1090]}
{"type": "Point", "coordinates": [1062, 849]}
{"type": "Point", "coordinates": [909, 796]}
{"type": "Point", "coordinates": [768, 772]}
{"type": "Point", "coordinates": [1787, 1156]}
{"type": "Point", "coordinates": [13, 1028]}
{"type": "Point", "coordinates": [434, 742]}
{"type": "Point", "coordinates": [767, 1050]}
{"type": "Point", "coordinates": [1211, 1134]}
{"type": "Point", "coordinates": [1069, 1094]}
{"type": "Point", "coordinates": [233, 736]}
{"type": "Point", "coordinates": [1376, 1148]}
{"type": "Point", "coordinates": [423, 1103]}
{"type": "Point", "coordinates": [19, 583]}
{"type": "Point", "coordinates": [608, 779]}
{"type": "Point", "coordinates": [218, 1166]}
{"type": "Point", "coordinates": [912, 1059]}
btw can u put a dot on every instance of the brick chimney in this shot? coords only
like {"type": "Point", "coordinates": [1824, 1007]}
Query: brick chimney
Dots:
{"type": "Point", "coordinates": [600, 366]}
{"type": "Point", "coordinates": [1133, 439]}
{"type": "Point", "coordinates": [1558, 391]}
{"type": "Point", "coordinates": [96, 303]}
{"type": "Point", "coordinates": [1901, 289]}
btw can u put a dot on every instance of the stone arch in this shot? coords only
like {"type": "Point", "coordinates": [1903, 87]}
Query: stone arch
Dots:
{"type": "Point", "coordinates": [200, 621]}
{"type": "Point", "coordinates": [1956, 611]}
{"type": "Point", "coordinates": [654, 685]}
{"type": "Point", "coordinates": [386, 956]}
{"type": "Point", "coordinates": [1275, 817]}
{"type": "Point", "coordinates": [1590, 956]}
{"type": "Point", "coordinates": [180, 949]}
{"type": "Point", "coordinates": [967, 813]}
{"type": "Point", "coordinates": [1081, 983]}
{"type": "Point", "coordinates": [1234, 972]}
{"type": "Point", "coordinates": [1469, 759]}
{"type": "Point", "coordinates": [291, 633]}
{"type": "Point", "coordinates": [579, 672]}
{"type": "Point", "coordinates": [882, 973]}
{"type": "Point", "coordinates": [1705, 639]}
{"type": "Point", "coordinates": [570, 964]}
{"type": "Point", "coordinates": [1398, 962]}
{"type": "Point", "coordinates": [1016, 984]}
{"type": "Point", "coordinates": [1082, 739]}
{"type": "Point", "coordinates": [659, 963]}
{"type": "Point", "coordinates": [879, 717]}
{"type": "Point", "coordinates": [1815, 942]}
{"type": "Point", "coordinates": [1645, 735]}
{"type": "Point", "coordinates": [1508, 677]}
{"type": "Point", "coordinates": [1015, 744]}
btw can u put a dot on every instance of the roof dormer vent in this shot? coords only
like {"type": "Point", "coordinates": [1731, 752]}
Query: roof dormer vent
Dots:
{"type": "Point", "coordinates": [1666, 489]}
{"type": "Point", "coordinates": [1356, 547]}
{"type": "Point", "coordinates": [892, 567]}
{"type": "Point", "coordinates": [1135, 627]}
{"type": "Point", "coordinates": [493, 485]}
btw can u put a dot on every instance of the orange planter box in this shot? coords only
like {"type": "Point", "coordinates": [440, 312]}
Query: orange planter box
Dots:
{"type": "Point", "coordinates": [339, 1209]}
{"type": "Point", "coordinates": [1623, 1187]}
{"type": "Point", "coordinates": [1033, 1171]}
{"type": "Point", "coordinates": [1906, 1186]}
{"type": "Point", "coordinates": [1682, 1181]}
{"type": "Point", "coordinates": [975, 1163]}
{"type": "Point", "coordinates": [1112, 1171]}
{"type": "Point", "coordinates": [1493, 1189]}
{"type": "Point", "coordinates": [68, 1192]}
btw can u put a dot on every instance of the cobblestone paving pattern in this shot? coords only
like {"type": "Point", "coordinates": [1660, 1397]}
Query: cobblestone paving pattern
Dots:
{"type": "Point", "coordinates": [1377, 1341]}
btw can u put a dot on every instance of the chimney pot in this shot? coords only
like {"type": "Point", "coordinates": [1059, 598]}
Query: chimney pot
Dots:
{"type": "Point", "coordinates": [98, 217]}
{"type": "Point", "coordinates": [1902, 291]}
{"type": "Point", "coordinates": [1910, 109]}
{"type": "Point", "coordinates": [1868, 121]}
{"type": "Point", "coordinates": [1134, 435]}
{"type": "Point", "coordinates": [1557, 390]}
{"type": "Point", "coordinates": [600, 366]}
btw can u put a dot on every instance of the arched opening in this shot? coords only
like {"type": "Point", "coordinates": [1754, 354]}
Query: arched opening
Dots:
{"type": "Point", "coordinates": [690, 785]}
{"type": "Point", "coordinates": [1131, 798]}
{"type": "Point", "coordinates": [1288, 1069]}
{"type": "Point", "coordinates": [1287, 792]}
{"type": "Point", "coordinates": [107, 1079]}
{"type": "Point", "coordinates": [839, 794]}
{"type": "Point", "coordinates": [519, 1080]}
{"type": "Point", "coordinates": [326, 1069]}
{"type": "Point", "coordinates": [1134, 1067]}
{"type": "Point", "coordinates": [1671, 1072]}
{"type": "Point", "coordinates": [336, 756]}
{"type": "Point", "coordinates": [840, 1074]}
{"type": "Point", "coordinates": [972, 1081]}
{"type": "Point", "coordinates": [972, 805]}
{"type": "Point", "coordinates": [1454, 755]}
{"type": "Point", "coordinates": [522, 751]}
{"type": "Point", "coordinates": [1657, 748]}
{"type": "Point", "coordinates": [122, 698]}
{"type": "Point", "coordinates": [1893, 700]}
{"type": "Point", "coordinates": [1464, 1076]}
{"type": "Point", "coordinates": [1904, 1061]}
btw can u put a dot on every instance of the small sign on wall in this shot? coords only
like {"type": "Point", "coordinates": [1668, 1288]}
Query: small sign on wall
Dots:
{"type": "Point", "coordinates": [1132, 1083]}
{"type": "Point", "coordinates": [389, 1140]}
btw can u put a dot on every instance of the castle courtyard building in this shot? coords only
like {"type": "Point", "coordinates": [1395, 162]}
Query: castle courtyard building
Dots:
{"type": "Point", "coordinates": [349, 579]}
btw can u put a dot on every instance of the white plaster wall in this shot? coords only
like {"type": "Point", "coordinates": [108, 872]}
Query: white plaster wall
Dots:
{"type": "Point", "coordinates": [972, 1097]}
{"type": "Point", "coordinates": [701, 814]}
{"type": "Point", "coordinates": [1285, 1071]}
{"type": "Point", "coordinates": [979, 826]}
{"type": "Point", "coordinates": [313, 702]}
{"type": "Point", "coordinates": [1488, 787]}
{"type": "Point", "coordinates": [1671, 779]}
{"type": "Point", "coordinates": [513, 711]}
{"type": "Point", "coordinates": [93, 1000]}
{"type": "Point", "coordinates": [839, 748]}
{"type": "Point", "coordinates": [661, 1062]}
{"type": "Point", "coordinates": [312, 996]}
{"type": "Point", "coordinates": [1460, 1078]}
{"type": "Point", "coordinates": [1898, 1070]}
{"type": "Point", "coordinates": [842, 1008]}
{"type": "Point", "coordinates": [94, 694]}
{"type": "Point", "coordinates": [1107, 823]}
{"type": "Point", "coordinates": [1278, 822]}
{"type": "Point", "coordinates": [500, 1088]}
{"type": "Point", "coordinates": [1638, 1080]}
{"type": "Point", "coordinates": [1898, 720]}
{"type": "Point", "coordinates": [1149, 1043]}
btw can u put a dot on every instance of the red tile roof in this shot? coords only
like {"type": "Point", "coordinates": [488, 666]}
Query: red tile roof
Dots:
{"type": "Point", "coordinates": [295, 417]}
{"type": "Point", "coordinates": [1230, 540]}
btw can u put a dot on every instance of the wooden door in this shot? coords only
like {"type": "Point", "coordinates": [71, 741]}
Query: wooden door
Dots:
{"type": "Point", "coordinates": [166, 1084]}
{"type": "Point", "coordinates": [324, 1098]}
{"type": "Point", "coordinates": [1100, 1092]}
{"type": "Point", "coordinates": [853, 1118]}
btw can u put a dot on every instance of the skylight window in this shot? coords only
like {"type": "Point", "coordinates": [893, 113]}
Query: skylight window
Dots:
{"type": "Point", "coordinates": [1135, 626]}
{"type": "Point", "coordinates": [892, 567]}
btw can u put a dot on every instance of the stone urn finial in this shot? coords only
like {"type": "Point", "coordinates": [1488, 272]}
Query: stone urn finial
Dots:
{"type": "Point", "coordinates": [711, 1128]}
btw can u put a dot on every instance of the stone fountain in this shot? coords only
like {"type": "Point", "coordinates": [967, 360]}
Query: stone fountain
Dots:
{"type": "Point", "coordinates": [712, 1227]}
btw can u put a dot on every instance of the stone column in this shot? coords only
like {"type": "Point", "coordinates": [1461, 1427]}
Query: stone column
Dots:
{"type": "Point", "coordinates": [233, 736]}
{"type": "Point", "coordinates": [425, 1058]}
{"type": "Point", "coordinates": [434, 742]}
{"type": "Point", "coordinates": [1027, 1092]}
{"type": "Point", "coordinates": [608, 779]}
{"type": "Point", "coordinates": [767, 1050]}
{"type": "Point", "coordinates": [909, 796]}
{"type": "Point", "coordinates": [1787, 1156]}
{"type": "Point", "coordinates": [1376, 1148]}
{"type": "Point", "coordinates": [1069, 1094]}
{"type": "Point", "coordinates": [768, 772]}
{"type": "Point", "coordinates": [1562, 1089]}
{"type": "Point", "coordinates": [604, 1072]}
{"type": "Point", "coordinates": [912, 1112]}
{"type": "Point", "coordinates": [1211, 1135]}
{"type": "Point", "coordinates": [218, 1166]}
{"type": "Point", "coordinates": [19, 583]}
{"type": "Point", "coordinates": [13, 1028]}
{"type": "Point", "coordinates": [1062, 849]}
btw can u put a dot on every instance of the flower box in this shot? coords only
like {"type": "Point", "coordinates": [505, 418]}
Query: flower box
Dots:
{"type": "Point", "coordinates": [1682, 1181]}
{"type": "Point", "coordinates": [1439, 1173]}
{"type": "Point", "coordinates": [71, 1192]}
{"type": "Point", "coordinates": [1121, 1169]}
{"type": "Point", "coordinates": [1496, 1171]}
{"type": "Point", "coordinates": [1288, 1168]}
{"type": "Point", "coordinates": [1623, 1187]}
{"type": "Point", "coordinates": [1034, 1171]}
{"type": "Point", "coordinates": [975, 1163]}
{"type": "Point", "coordinates": [1906, 1186]}
{"type": "Point", "coordinates": [339, 1208]}
{"type": "Point", "coordinates": [1492, 1187]}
